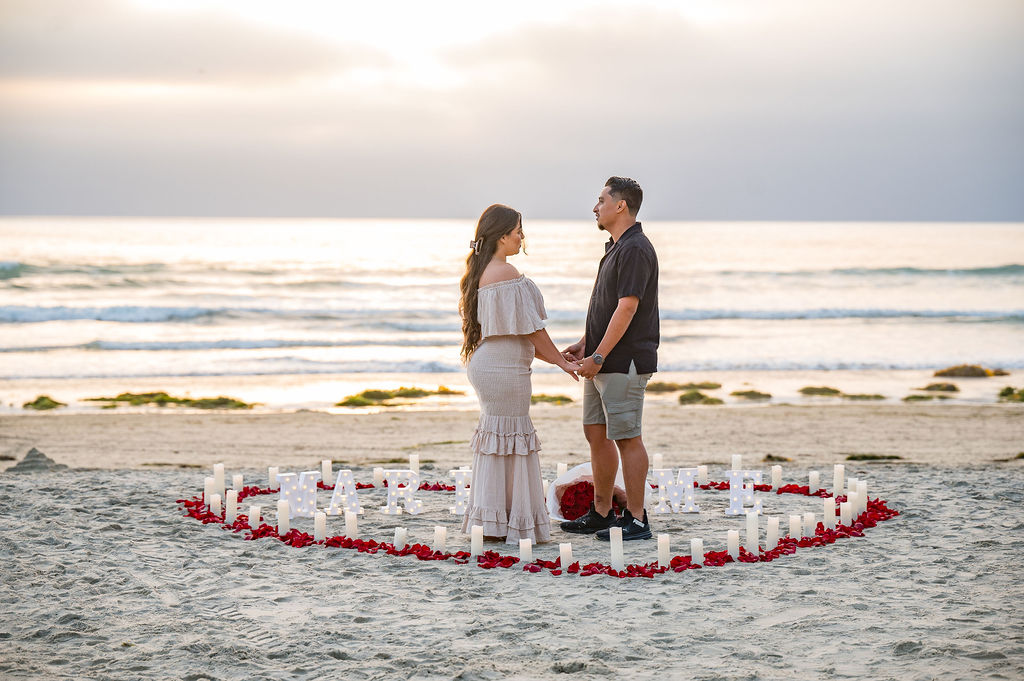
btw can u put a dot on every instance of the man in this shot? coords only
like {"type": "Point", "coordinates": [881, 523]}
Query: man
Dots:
{"type": "Point", "coordinates": [619, 352]}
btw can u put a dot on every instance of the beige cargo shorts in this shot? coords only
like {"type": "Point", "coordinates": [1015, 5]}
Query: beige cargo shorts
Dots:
{"type": "Point", "coordinates": [617, 401]}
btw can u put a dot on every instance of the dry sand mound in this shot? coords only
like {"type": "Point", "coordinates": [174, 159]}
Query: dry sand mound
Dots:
{"type": "Point", "coordinates": [36, 462]}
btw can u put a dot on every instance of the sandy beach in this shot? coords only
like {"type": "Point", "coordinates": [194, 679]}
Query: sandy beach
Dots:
{"type": "Point", "coordinates": [104, 578]}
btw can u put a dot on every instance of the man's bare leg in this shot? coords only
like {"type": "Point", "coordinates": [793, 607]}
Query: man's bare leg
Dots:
{"type": "Point", "coordinates": [604, 459]}
{"type": "Point", "coordinates": [634, 473]}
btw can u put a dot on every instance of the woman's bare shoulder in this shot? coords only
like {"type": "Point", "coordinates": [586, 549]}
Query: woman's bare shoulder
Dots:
{"type": "Point", "coordinates": [496, 272]}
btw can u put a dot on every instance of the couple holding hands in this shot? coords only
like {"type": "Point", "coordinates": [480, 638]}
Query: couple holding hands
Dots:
{"type": "Point", "coordinates": [503, 330]}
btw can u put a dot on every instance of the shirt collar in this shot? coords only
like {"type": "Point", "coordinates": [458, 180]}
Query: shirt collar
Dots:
{"type": "Point", "coordinates": [629, 233]}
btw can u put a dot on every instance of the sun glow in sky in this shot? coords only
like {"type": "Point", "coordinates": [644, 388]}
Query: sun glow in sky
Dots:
{"type": "Point", "coordinates": [774, 109]}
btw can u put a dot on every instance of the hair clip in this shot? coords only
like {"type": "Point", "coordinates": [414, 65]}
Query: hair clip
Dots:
{"type": "Point", "coordinates": [475, 245]}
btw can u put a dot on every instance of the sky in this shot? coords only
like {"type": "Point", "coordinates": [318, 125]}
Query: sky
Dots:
{"type": "Point", "coordinates": [905, 110]}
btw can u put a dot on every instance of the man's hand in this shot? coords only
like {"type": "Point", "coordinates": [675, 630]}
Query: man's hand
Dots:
{"type": "Point", "coordinates": [589, 369]}
{"type": "Point", "coordinates": [574, 353]}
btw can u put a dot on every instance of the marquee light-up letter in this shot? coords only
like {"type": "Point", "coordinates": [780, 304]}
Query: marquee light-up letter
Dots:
{"type": "Point", "coordinates": [739, 495]}
{"type": "Point", "coordinates": [663, 479]}
{"type": "Point", "coordinates": [687, 492]}
{"type": "Point", "coordinates": [345, 497]}
{"type": "Point", "coordinates": [406, 494]}
{"type": "Point", "coordinates": [463, 478]}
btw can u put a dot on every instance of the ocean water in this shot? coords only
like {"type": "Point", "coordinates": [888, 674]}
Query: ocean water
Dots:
{"type": "Point", "coordinates": [123, 299]}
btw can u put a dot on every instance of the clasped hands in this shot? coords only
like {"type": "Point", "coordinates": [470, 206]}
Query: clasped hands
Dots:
{"type": "Point", "coordinates": [577, 364]}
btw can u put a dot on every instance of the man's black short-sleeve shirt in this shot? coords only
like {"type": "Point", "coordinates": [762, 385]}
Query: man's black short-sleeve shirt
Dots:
{"type": "Point", "coordinates": [629, 268]}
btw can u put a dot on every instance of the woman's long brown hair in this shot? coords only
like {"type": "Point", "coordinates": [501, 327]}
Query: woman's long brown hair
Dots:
{"type": "Point", "coordinates": [494, 223]}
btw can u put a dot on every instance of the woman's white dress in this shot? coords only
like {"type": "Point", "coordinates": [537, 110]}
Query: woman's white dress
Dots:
{"type": "Point", "coordinates": [507, 492]}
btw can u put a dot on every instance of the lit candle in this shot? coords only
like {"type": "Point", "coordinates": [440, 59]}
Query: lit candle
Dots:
{"type": "Point", "coordinates": [702, 475]}
{"type": "Point", "coordinates": [838, 486]}
{"type": "Point", "coordinates": [232, 506]}
{"type": "Point", "coordinates": [844, 513]}
{"type": "Point", "coordinates": [772, 538]}
{"type": "Point", "coordinates": [737, 462]}
{"type": "Point", "coordinates": [218, 477]}
{"type": "Point", "coordinates": [525, 551]}
{"type": "Point", "coordinates": [272, 476]}
{"type": "Point", "coordinates": [319, 526]}
{"type": "Point", "coordinates": [236, 481]}
{"type": "Point", "coordinates": [565, 555]}
{"type": "Point", "coordinates": [476, 540]}
{"type": "Point", "coordinates": [283, 520]}
{"type": "Point", "coordinates": [561, 469]}
{"type": "Point", "coordinates": [658, 460]}
{"type": "Point", "coordinates": [734, 544]}
{"type": "Point", "coordinates": [752, 532]}
{"type": "Point", "coordinates": [776, 477]}
{"type": "Point", "coordinates": [401, 535]}
{"type": "Point", "coordinates": [440, 538]}
{"type": "Point", "coordinates": [830, 512]}
{"type": "Point", "coordinates": [378, 477]}
{"type": "Point", "coordinates": [209, 486]}
{"type": "Point", "coordinates": [810, 524]}
{"type": "Point", "coordinates": [325, 472]}
{"type": "Point", "coordinates": [794, 526]}
{"type": "Point", "coordinates": [615, 537]}
{"type": "Point", "coordinates": [215, 504]}
{"type": "Point", "coordinates": [862, 494]}
{"type": "Point", "coordinates": [663, 550]}
{"type": "Point", "coordinates": [254, 516]}
{"type": "Point", "coordinates": [814, 481]}
{"type": "Point", "coordinates": [697, 551]}
{"type": "Point", "coordinates": [351, 524]}
{"type": "Point", "coordinates": [414, 463]}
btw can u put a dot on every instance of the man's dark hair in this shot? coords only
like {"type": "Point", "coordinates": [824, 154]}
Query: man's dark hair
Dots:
{"type": "Point", "coordinates": [626, 189]}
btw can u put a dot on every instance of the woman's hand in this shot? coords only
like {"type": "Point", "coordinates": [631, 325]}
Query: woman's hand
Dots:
{"type": "Point", "coordinates": [570, 368]}
{"type": "Point", "coordinates": [574, 353]}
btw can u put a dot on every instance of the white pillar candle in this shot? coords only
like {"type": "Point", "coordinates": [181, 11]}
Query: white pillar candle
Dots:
{"type": "Point", "coordinates": [351, 524]}
{"type": "Point", "coordinates": [476, 546]}
{"type": "Point", "coordinates": [663, 550]}
{"type": "Point", "coordinates": [525, 551]}
{"type": "Point", "coordinates": [218, 478]}
{"type": "Point", "coordinates": [814, 481]}
{"type": "Point", "coordinates": [325, 472]}
{"type": "Point", "coordinates": [752, 532]}
{"type": "Point", "coordinates": [272, 476]}
{"type": "Point", "coordinates": [209, 487]}
{"type": "Point", "coordinates": [810, 524]}
{"type": "Point", "coordinates": [414, 463]}
{"type": "Point", "coordinates": [829, 510]}
{"type": "Point", "coordinates": [697, 551]}
{"type": "Point", "coordinates": [776, 477]}
{"type": "Point", "coordinates": [844, 513]}
{"type": "Point", "coordinates": [320, 526]}
{"type": "Point", "coordinates": [734, 544]}
{"type": "Point", "coordinates": [615, 540]}
{"type": "Point", "coordinates": [794, 526]}
{"type": "Point", "coordinates": [378, 476]}
{"type": "Point", "coordinates": [658, 461]}
{"type": "Point", "coordinates": [231, 512]}
{"type": "Point", "coordinates": [401, 537]}
{"type": "Point", "coordinates": [440, 538]}
{"type": "Point", "coordinates": [737, 462]}
{"type": "Point", "coordinates": [254, 515]}
{"type": "Point", "coordinates": [702, 475]}
{"type": "Point", "coordinates": [838, 485]}
{"type": "Point", "coordinates": [854, 500]}
{"type": "Point", "coordinates": [565, 555]}
{"type": "Point", "coordinates": [237, 481]}
{"type": "Point", "coordinates": [561, 469]}
{"type": "Point", "coordinates": [772, 537]}
{"type": "Point", "coordinates": [283, 521]}
{"type": "Point", "coordinates": [545, 482]}
{"type": "Point", "coordinates": [862, 494]}
{"type": "Point", "coordinates": [215, 504]}
{"type": "Point", "coordinates": [851, 485]}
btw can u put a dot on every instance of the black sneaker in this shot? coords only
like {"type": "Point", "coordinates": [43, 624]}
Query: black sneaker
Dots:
{"type": "Point", "coordinates": [589, 523]}
{"type": "Point", "coordinates": [631, 528]}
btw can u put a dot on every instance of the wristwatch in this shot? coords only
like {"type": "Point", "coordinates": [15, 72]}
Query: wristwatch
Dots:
{"type": "Point", "coordinates": [598, 359]}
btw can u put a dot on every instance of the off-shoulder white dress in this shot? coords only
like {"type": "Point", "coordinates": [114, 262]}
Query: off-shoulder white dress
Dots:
{"type": "Point", "coordinates": [507, 492]}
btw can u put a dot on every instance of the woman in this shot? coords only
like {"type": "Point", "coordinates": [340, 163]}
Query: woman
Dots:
{"type": "Point", "coordinates": [503, 330]}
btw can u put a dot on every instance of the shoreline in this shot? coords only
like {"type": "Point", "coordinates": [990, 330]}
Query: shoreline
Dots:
{"type": "Point", "coordinates": [955, 435]}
